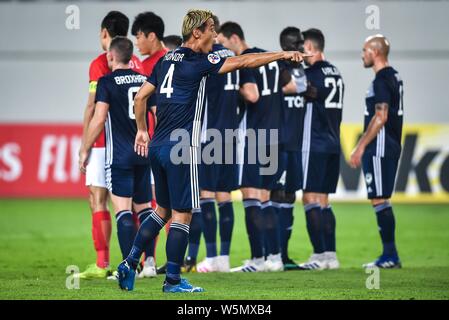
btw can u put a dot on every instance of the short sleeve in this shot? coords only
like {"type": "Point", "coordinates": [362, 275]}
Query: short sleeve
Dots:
{"type": "Point", "coordinates": [246, 76]}
{"type": "Point", "coordinates": [382, 93]}
{"type": "Point", "coordinates": [102, 93]}
{"type": "Point", "coordinates": [152, 101]}
{"type": "Point", "coordinates": [95, 72]}
{"type": "Point", "coordinates": [153, 77]}
{"type": "Point", "coordinates": [210, 63]}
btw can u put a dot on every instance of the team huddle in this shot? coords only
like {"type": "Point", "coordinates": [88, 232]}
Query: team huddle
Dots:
{"type": "Point", "coordinates": [169, 138]}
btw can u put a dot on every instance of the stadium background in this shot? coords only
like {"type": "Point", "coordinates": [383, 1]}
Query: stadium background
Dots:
{"type": "Point", "coordinates": [43, 91]}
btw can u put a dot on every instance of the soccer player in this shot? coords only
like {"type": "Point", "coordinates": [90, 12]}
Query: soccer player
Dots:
{"type": "Point", "coordinates": [172, 41]}
{"type": "Point", "coordinates": [262, 222]}
{"type": "Point", "coordinates": [217, 180]}
{"type": "Point", "coordinates": [148, 28]}
{"type": "Point", "coordinates": [292, 130]}
{"type": "Point", "coordinates": [321, 151]}
{"type": "Point", "coordinates": [179, 81]}
{"type": "Point", "coordinates": [127, 174]}
{"type": "Point", "coordinates": [379, 148]}
{"type": "Point", "coordinates": [114, 24]}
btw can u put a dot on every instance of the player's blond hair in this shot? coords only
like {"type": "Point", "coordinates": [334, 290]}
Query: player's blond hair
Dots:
{"type": "Point", "coordinates": [194, 18]}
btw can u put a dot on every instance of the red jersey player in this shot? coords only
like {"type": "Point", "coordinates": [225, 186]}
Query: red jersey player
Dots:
{"type": "Point", "coordinates": [148, 28]}
{"type": "Point", "coordinates": [114, 24]}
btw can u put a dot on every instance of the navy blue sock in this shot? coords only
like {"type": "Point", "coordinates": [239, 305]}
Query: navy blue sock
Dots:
{"type": "Point", "coordinates": [177, 240]}
{"type": "Point", "coordinates": [271, 228]}
{"type": "Point", "coordinates": [145, 213]}
{"type": "Point", "coordinates": [386, 223]}
{"type": "Point", "coordinates": [286, 222]}
{"type": "Point", "coordinates": [226, 225]}
{"type": "Point", "coordinates": [329, 224]}
{"type": "Point", "coordinates": [126, 231]}
{"type": "Point", "coordinates": [148, 230]}
{"type": "Point", "coordinates": [196, 226]}
{"type": "Point", "coordinates": [210, 226]}
{"type": "Point", "coordinates": [315, 226]}
{"type": "Point", "coordinates": [254, 227]}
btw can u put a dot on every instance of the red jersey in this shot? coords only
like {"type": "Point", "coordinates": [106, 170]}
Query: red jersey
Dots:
{"type": "Point", "coordinates": [99, 68]}
{"type": "Point", "coordinates": [148, 66]}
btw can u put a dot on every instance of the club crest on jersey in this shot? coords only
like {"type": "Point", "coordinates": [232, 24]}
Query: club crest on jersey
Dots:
{"type": "Point", "coordinates": [213, 58]}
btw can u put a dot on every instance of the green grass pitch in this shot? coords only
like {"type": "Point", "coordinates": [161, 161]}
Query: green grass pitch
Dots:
{"type": "Point", "coordinates": [40, 238]}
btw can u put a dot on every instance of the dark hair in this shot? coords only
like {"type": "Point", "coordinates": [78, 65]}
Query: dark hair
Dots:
{"type": "Point", "coordinates": [229, 28]}
{"type": "Point", "coordinates": [316, 36]}
{"type": "Point", "coordinates": [216, 23]}
{"type": "Point", "coordinates": [172, 41]}
{"type": "Point", "coordinates": [148, 22]}
{"type": "Point", "coordinates": [116, 23]}
{"type": "Point", "coordinates": [291, 39]}
{"type": "Point", "coordinates": [123, 47]}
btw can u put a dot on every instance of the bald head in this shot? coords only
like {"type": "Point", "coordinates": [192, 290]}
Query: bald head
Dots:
{"type": "Point", "coordinates": [380, 43]}
{"type": "Point", "coordinates": [375, 49]}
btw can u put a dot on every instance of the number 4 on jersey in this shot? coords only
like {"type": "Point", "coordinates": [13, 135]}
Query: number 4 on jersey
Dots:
{"type": "Point", "coordinates": [166, 86]}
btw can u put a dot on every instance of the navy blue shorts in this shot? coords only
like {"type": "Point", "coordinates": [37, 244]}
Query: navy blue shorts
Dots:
{"type": "Point", "coordinates": [221, 176]}
{"type": "Point", "coordinates": [380, 176]}
{"type": "Point", "coordinates": [321, 172]}
{"type": "Point", "coordinates": [251, 176]}
{"type": "Point", "coordinates": [176, 185]}
{"type": "Point", "coordinates": [291, 178]}
{"type": "Point", "coordinates": [130, 182]}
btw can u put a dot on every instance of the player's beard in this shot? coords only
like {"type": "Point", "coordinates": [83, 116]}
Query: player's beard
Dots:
{"type": "Point", "coordinates": [367, 64]}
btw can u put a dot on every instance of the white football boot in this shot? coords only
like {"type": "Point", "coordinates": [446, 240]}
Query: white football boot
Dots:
{"type": "Point", "coordinates": [331, 260]}
{"type": "Point", "coordinates": [223, 264]}
{"type": "Point", "coordinates": [149, 269]}
{"type": "Point", "coordinates": [316, 262]}
{"type": "Point", "coordinates": [207, 265]}
{"type": "Point", "coordinates": [274, 263]}
{"type": "Point", "coordinates": [253, 265]}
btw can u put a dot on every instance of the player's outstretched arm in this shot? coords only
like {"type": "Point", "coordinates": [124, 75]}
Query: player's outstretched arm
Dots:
{"type": "Point", "coordinates": [95, 127]}
{"type": "Point", "coordinates": [140, 108]}
{"type": "Point", "coordinates": [254, 60]}
{"type": "Point", "coordinates": [376, 124]}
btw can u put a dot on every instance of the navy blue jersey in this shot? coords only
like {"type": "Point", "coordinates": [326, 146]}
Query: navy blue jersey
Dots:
{"type": "Point", "coordinates": [180, 78]}
{"type": "Point", "coordinates": [266, 113]}
{"type": "Point", "coordinates": [118, 90]}
{"type": "Point", "coordinates": [387, 87]}
{"type": "Point", "coordinates": [293, 109]}
{"type": "Point", "coordinates": [324, 111]}
{"type": "Point", "coordinates": [222, 94]}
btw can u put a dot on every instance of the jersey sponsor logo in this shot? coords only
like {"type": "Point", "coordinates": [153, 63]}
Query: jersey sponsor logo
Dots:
{"type": "Point", "coordinates": [213, 58]}
{"type": "Point", "coordinates": [294, 101]}
{"type": "Point", "coordinates": [93, 86]}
